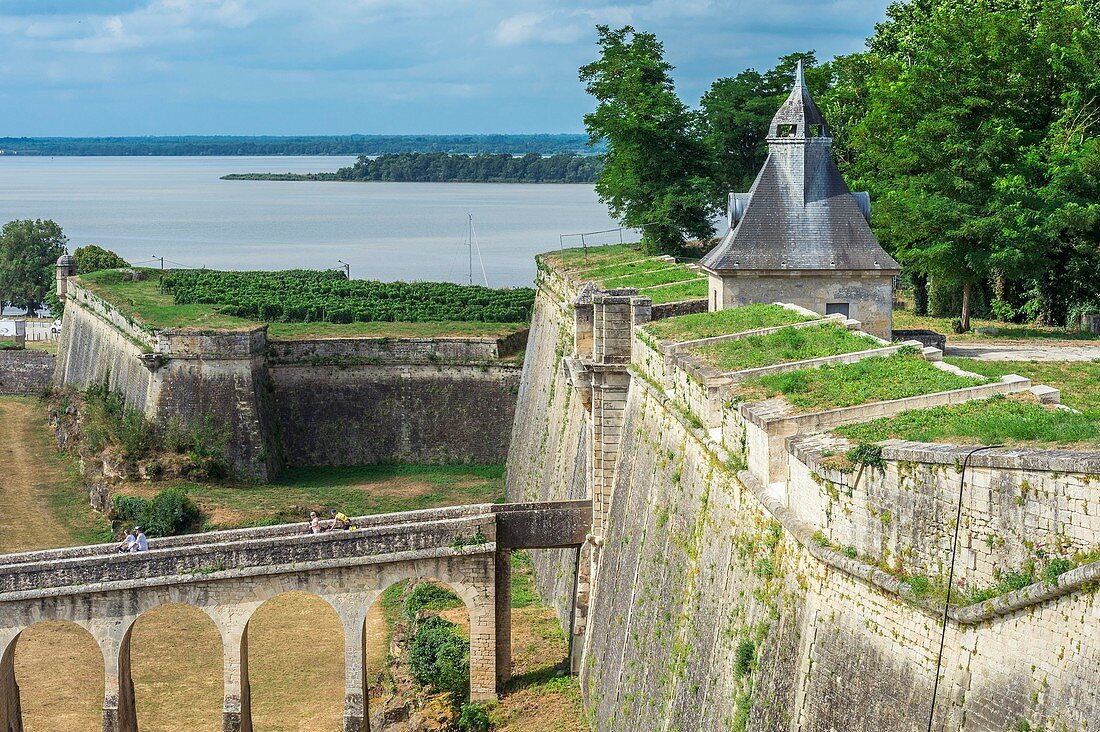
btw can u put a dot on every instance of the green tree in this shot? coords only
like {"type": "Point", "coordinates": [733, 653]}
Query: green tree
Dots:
{"type": "Point", "coordinates": [655, 174]}
{"type": "Point", "coordinates": [28, 252]}
{"type": "Point", "coordinates": [964, 107]}
{"type": "Point", "coordinates": [93, 258]}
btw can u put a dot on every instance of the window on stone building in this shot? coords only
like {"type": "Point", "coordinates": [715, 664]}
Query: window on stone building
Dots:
{"type": "Point", "coordinates": [816, 130]}
{"type": "Point", "coordinates": [787, 130]}
{"type": "Point", "coordinates": [837, 308]}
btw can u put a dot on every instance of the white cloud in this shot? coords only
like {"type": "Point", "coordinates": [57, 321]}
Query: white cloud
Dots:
{"type": "Point", "coordinates": [543, 28]}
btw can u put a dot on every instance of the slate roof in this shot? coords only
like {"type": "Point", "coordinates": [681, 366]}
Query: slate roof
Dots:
{"type": "Point", "coordinates": [800, 214]}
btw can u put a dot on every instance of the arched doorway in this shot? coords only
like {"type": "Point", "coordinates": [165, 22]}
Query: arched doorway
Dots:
{"type": "Point", "coordinates": [59, 669]}
{"type": "Point", "coordinates": [176, 663]}
{"type": "Point", "coordinates": [296, 665]}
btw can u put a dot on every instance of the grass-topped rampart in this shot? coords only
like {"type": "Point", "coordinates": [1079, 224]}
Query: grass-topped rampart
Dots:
{"type": "Point", "coordinates": [310, 304]}
{"type": "Point", "coordinates": [997, 420]}
{"type": "Point", "coordinates": [898, 376]}
{"type": "Point", "coordinates": [784, 346]}
{"type": "Point", "coordinates": [723, 322]}
{"type": "Point", "coordinates": [621, 266]}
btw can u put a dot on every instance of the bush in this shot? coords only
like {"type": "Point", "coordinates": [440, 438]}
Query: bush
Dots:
{"type": "Point", "coordinates": [473, 718]}
{"type": "Point", "coordinates": [430, 596]}
{"type": "Point", "coordinates": [745, 656]}
{"type": "Point", "coordinates": [439, 658]}
{"type": "Point", "coordinates": [1055, 568]}
{"type": "Point", "coordinates": [170, 512]}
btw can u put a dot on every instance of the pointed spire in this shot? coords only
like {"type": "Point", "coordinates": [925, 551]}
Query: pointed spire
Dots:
{"type": "Point", "coordinates": [799, 116]}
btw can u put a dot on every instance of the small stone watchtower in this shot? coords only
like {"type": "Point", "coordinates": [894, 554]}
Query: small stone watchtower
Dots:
{"type": "Point", "coordinates": [66, 267]}
{"type": "Point", "coordinates": [800, 236]}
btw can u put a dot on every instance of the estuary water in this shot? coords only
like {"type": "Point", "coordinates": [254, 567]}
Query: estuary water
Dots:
{"type": "Point", "coordinates": [177, 208]}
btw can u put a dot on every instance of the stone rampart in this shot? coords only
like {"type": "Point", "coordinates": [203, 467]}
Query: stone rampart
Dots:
{"type": "Point", "coordinates": [719, 601]}
{"type": "Point", "coordinates": [303, 402]}
{"type": "Point", "coordinates": [25, 373]}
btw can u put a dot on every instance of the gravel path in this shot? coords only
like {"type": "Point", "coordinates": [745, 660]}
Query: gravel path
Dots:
{"type": "Point", "coordinates": [1024, 351]}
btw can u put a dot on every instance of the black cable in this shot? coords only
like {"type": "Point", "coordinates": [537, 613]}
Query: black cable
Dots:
{"type": "Point", "coordinates": [951, 580]}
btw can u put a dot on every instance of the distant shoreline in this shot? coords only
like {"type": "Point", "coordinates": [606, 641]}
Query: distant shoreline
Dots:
{"type": "Point", "coordinates": [333, 178]}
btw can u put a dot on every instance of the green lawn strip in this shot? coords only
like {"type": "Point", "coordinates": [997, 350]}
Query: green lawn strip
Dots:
{"type": "Point", "coordinates": [784, 346]}
{"type": "Point", "coordinates": [905, 320]}
{"type": "Point", "coordinates": [653, 278]}
{"type": "Point", "coordinates": [146, 303]}
{"type": "Point", "coordinates": [724, 322]}
{"type": "Point", "coordinates": [1077, 380]}
{"type": "Point", "coordinates": [693, 290]}
{"type": "Point", "coordinates": [524, 592]}
{"type": "Point", "coordinates": [609, 271]}
{"type": "Point", "coordinates": [577, 257]}
{"type": "Point", "coordinates": [8, 345]}
{"type": "Point", "coordinates": [363, 490]}
{"type": "Point", "coordinates": [986, 422]}
{"type": "Point", "coordinates": [845, 385]}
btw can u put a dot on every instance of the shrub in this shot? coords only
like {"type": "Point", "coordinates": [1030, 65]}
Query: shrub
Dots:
{"type": "Point", "coordinates": [867, 454]}
{"type": "Point", "coordinates": [430, 596]}
{"type": "Point", "coordinates": [1055, 568]}
{"type": "Point", "coordinates": [439, 658]}
{"type": "Point", "coordinates": [744, 658]}
{"type": "Point", "coordinates": [172, 512]}
{"type": "Point", "coordinates": [473, 718]}
{"type": "Point", "coordinates": [130, 510]}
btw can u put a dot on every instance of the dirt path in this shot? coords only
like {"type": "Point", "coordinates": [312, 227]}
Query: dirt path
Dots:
{"type": "Point", "coordinates": [1025, 351]}
{"type": "Point", "coordinates": [27, 478]}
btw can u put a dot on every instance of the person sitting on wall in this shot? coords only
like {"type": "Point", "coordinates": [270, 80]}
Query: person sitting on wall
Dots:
{"type": "Point", "coordinates": [127, 544]}
{"type": "Point", "coordinates": [340, 522]}
{"type": "Point", "coordinates": [141, 544]}
{"type": "Point", "coordinates": [314, 523]}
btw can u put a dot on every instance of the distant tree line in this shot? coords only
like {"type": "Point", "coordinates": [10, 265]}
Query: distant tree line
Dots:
{"type": "Point", "coordinates": [975, 125]}
{"type": "Point", "coordinates": [543, 144]}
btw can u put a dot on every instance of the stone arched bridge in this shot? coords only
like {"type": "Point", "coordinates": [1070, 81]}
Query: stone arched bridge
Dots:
{"type": "Point", "coordinates": [229, 574]}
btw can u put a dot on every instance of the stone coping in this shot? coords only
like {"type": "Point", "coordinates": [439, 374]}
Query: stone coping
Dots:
{"type": "Point", "coordinates": [255, 571]}
{"type": "Point", "coordinates": [803, 533]}
{"type": "Point", "coordinates": [771, 414]}
{"type": "Point", "coordinates": [1019, 457]}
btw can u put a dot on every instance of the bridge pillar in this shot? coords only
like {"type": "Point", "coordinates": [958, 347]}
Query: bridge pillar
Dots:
{"type": "Point", "coordinates": [11, 716]}
{"type": "Point", "coordinates": [119, 713]}
{"type": "Point", "coordinates": [503, 571]}
{"type": "Point", "coordinates": [237, 704]}
{"type": "Point", "coordinates": [483, 642]}
{"type": "Point", "coordinates": [355, 681]}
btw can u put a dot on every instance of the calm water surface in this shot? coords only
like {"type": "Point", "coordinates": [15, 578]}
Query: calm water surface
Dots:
{"type": "Point", "coordinates": [179, 209]}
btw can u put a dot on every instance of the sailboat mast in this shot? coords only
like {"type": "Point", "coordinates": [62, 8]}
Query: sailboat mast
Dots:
{"type": "Point", "coordinates": [470, 245]}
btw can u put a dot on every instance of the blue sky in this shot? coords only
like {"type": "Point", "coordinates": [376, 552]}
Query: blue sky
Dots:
{"type": "Point", "coordinates": [137, 67]}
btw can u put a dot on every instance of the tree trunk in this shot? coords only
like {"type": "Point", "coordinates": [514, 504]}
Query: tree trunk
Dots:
{"type": "Point", "coordinates": [966, 308]}
{"type": "Point", "coordinates": [920, 294]}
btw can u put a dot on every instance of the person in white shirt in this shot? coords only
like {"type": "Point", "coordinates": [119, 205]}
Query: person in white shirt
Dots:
{"type": "Point", "coordinates": [314, 522]}
{"type": "Point", "coordinates": [141, 544]}
{"type": "Point", "coordinates": [127, 544]}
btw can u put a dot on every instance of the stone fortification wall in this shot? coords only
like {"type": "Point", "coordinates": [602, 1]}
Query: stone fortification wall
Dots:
{"type": "Point", "coordinates": [363, 413]}
{"type": "Point", "coordinates": [549, 446]}
{"type": "Point", "coordinates": [719, 602]}
{"type": "Point", "coordinates": [25, 373]}
{"type": "Point", "coordinates": [1017, 506]}
{"type": "Point", "coordinates": [303, 402]}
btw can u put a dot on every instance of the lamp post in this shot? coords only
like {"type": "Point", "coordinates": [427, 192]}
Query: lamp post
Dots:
{"type": "Point", "coordinates": [347, 268]}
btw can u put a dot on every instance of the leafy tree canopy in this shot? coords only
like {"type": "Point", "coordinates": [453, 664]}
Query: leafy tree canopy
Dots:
{"type": "Point", "coordinates": [28, 252]}
{"type": "Point", "coordinates": [655, 175]}
{"type": "Point", "coordinates": [92, 258]}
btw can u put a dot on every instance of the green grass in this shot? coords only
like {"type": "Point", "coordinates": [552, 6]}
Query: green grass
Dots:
{"type": "Point", "coordinates": [692, 290]}
{"type": "Point", "coordinates": [784, 346]}
{"type": "Point", "coordinates": [846, 385]}
{"type": "Point", "coordinates": [524, 592]}
{"type": "Point", "coordinates": [144, 302]}
{"type": "Point", "coordinates": [361, 490]}
{"type": "Point", "coordinates": [905, 319]}
{"type": "Point", "coordinates": [1077, 380]}
{"type": "Point", "coordinates": [8, 345]}
{"type": "Point", "coordinates": [723, 322]}
{"type": "Point", "coordinates": [578, 257]}
{"type": "Point", "coordinates": [654, 278]}
{"type": "Point", "coordinates": [998, 420]}
{"type": "Point", "coordinates": [619, 269]}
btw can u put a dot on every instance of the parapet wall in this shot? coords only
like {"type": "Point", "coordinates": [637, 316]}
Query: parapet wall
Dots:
{"type": "Point", "coordinates": [719, 601]}
{"type": "Point", "coordinates": [25, 373]}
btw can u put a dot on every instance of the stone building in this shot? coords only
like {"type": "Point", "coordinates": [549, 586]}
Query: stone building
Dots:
{"type": "Point", "coordinates": [799, 235]}
{"type": "Point", "coordinates": [66, 268]}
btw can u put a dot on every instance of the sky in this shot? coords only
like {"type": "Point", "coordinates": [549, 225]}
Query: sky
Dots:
{"type": "Point", "coordinates": [286, 67]}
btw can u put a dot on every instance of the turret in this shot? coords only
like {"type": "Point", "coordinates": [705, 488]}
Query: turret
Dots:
{"type": "Point", "coordinates": [66, 268]}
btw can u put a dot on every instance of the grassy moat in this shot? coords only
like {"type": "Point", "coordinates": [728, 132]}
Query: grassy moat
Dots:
{"type": "Point", "coordinates": [296, 661]}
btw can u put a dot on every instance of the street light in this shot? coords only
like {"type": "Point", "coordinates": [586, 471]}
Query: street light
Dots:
{"type": "Point", "coordinates": [161, 262]}
{"type": "Point", "coordinates": [347, 268]}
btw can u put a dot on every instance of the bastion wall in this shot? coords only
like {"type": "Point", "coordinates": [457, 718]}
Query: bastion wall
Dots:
{"type": "Point", "coordinates": [720, 602]}
{"type": "Point", "coordinates": [302, 402]}
{"type": "Point", "coordinates": [25, 373]}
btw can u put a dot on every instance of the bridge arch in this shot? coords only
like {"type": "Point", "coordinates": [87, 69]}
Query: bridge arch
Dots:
{"type": "Point", "coordinates": [295, 650]}
{"type": "Point", "coordinates": [52, 672]}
